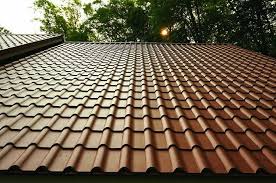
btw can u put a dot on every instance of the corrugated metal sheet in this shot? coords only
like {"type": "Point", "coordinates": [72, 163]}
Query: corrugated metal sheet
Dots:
{"type": "Point", "coordinates": [139, 108]}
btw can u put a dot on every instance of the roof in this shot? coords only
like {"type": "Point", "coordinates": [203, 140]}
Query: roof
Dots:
{"type": "Point", "coordinates": [13, 46]}
{"type": "Point", "coordinates": [139, 107]}
{"type": "Point", "coordinates": [14, 40]}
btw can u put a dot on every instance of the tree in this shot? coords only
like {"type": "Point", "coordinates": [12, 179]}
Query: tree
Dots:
{"type": "Point", "coordinates": [121, 20]}
{"type": "Point", "coordinates": [4, 31]}
{"type": "Point", "coordinates": [70, 19]}
{"type": "Point", "coordinates": [255, 22]}
{"type": "Point", "coordinates": [247, 23]}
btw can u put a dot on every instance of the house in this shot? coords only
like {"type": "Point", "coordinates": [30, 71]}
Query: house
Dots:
{"type": "Point", "coordinates": [135, 108]}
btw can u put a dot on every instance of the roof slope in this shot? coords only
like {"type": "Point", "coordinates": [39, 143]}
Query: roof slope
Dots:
{"type": "Point", "coordinates": [18, 45]}
{"type": "Point", "coordinates": [139, 108]}
{"type": "Point", "coordinates": [14, 40]}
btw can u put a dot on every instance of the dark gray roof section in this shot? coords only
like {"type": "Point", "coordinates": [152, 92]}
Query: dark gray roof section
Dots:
{"type": "Point", "coordinates": [13, 46]}
{"type": "Point", "coordinates": [13, 40]}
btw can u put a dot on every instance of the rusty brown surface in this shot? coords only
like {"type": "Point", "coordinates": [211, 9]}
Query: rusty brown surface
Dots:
{"type": "Point", "coordinates": [139, 108]}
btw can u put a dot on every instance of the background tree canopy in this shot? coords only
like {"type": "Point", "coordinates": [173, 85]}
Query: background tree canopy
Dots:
{"type": "Point", "coordinates": [247, 23]}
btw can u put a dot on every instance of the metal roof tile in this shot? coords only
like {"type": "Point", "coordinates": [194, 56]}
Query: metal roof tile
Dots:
{"type": "Point", "coordinates": [139, 107]}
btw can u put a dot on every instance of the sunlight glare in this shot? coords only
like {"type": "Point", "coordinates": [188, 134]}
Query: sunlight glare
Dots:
{"type": "Point", "coordinates": [164, 32]}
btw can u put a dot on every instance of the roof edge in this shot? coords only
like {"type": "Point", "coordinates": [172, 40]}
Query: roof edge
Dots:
{"type": "Point", "coordinates": [146, 42]}
{"type": "Point", "coordinates": [10, 54]}
{"type": "Point", "coordinates": [68, 178]}
{"type": "Point", "coordinates": [252, 51]}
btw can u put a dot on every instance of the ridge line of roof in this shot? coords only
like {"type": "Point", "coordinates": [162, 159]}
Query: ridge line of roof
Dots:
{"type": "Point", "coordinates": [173, 43]}
{"type": "Point", "coordinates": [147, 42]}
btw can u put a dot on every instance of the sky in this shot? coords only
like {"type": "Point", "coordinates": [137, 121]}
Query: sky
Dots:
{"type": "Point", "coordinates": [18, 16]}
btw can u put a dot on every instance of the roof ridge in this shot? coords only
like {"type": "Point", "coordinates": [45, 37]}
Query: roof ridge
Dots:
{"type": "Point", "coordinates": [146, 42]}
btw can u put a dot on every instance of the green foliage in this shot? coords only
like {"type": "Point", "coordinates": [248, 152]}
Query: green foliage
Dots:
{"type": "Point", "coordinates": [4, 31]}
{"type": "Point", "coordinates": [255, 24]}
{"type": "Point", "coordinates": [65, 19]}
{"type": "Point", "coordinates": [248, 23]}
{"type": "Point", "coordinates": [121, 20]}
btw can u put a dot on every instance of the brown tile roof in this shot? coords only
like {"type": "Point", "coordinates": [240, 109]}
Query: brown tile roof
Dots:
{"type": "Point", "coordinates": [139, 108]}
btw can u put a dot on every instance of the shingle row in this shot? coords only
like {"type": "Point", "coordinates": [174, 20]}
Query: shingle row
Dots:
{"type": "Point", "coordinates": [140, 112]}
{"type": "Point", "coordinates": [147, 160]}
{"type": "Point", "coordinates": [57, 123]}
{"type": "Point", "coordinates": [207, 140]}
